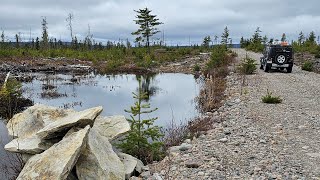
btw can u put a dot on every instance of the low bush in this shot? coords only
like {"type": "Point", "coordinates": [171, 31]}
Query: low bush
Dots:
{"type": "Point", "coordinates": [196, 68]}
{"type": "Point", "coordinates": [269, 99]}
{"type": "Point", "coordinates": [307, 66]}
{"type": "Point", "coordinates": [248, 66]}
{"type": "Point", "coordinates": [11, 99]}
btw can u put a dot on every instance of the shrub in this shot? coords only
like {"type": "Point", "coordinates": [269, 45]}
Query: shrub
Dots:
{"type": "Point", "coordinates": [248, 66]}
{"type": "Point", "coordinates": [143, 140]}
{"type": "Point", "coordinates": [11, 99]}
{"type": "Point", "coordinates": [307, 66]}
{"type": "Point", "coordinates": [269, 99]}
{"type": "Point", "coordinates": [196, 68]}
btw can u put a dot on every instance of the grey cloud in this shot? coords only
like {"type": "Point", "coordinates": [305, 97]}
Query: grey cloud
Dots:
{"type": "Point", "coordinates": [113, 19]}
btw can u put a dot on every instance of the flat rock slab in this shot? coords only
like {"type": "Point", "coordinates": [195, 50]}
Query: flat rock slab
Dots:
{"type": "Point", "coordinates": [98, 161]}
{"type": "Point", "coordinates": [111, 126]}
{"type": "Point", "coordinates": [31, 120]}
{"type": "Point", "coordinates": [77, 119]}
{"type": "Point", "coordinates": [29, 145]}
{"type": "Point", "coordinates": [56, 162]}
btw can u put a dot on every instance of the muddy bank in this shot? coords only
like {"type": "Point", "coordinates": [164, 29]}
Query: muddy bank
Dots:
{"type": "Point", "coordinates": [64, 65]}
{"type": "Point", "coordinates": [60, 65]}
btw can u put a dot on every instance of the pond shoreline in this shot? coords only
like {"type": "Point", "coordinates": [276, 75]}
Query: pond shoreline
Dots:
{"type": "Point", "coordinates": [76, 66]}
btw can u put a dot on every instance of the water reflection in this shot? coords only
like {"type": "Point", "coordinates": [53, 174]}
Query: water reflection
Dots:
{"type": "Point", "coordinates": [173, 94]}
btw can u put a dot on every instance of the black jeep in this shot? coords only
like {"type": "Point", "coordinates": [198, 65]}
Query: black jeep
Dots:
{"type": "Point", "coordinates": [277, 56]}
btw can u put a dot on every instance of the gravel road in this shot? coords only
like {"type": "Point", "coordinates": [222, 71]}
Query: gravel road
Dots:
{"type": "Point", "coordinates": [257, 140]}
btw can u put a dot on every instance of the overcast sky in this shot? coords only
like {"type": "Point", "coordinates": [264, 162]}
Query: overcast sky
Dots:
{"type": "Point", "coordinates": [183, 19]}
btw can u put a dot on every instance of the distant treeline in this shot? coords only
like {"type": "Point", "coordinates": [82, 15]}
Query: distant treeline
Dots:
{"type": "Point", "coordinates": [303, 44]}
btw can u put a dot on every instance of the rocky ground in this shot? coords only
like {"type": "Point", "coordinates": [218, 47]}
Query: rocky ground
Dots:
{"type": "Point", "coordinates": [185, 65]}
{"type": "Point", "coordinates": [256, 140]}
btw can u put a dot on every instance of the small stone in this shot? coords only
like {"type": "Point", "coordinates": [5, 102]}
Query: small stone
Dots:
{"type": "Point", "coordinates": [201, 173]}
{"type": "Point", "coordinates": [156, 176]}
{"type": "Point", "coordinates": [314, 155]}
{"type": "Point", "coordinates": [237, 101]}
{"type": "Point", "coordinates": [305, 147]}
{"type": "Point", "coordinates": [145, 175]}
{"type": "Point", "coordinates": [227, 131]}
{"type": "Point", "coordinates": [262, 141]}
{"type": "Point", "coordinates": [257, 169]}
{"type": "Point", "coordinates": [145, 168]}
{"type": "Point", "coordinates": [188, 141]}
{"type": "Point", "coordinates": [192, 164]}
{"type": "Point", "coordinates": [185, 147]}
{"type": "Point", "coordinates": [223, 140]}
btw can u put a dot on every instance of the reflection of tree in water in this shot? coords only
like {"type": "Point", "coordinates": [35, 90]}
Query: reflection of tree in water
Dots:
{"type": "Point", "coordinates": [148, 85]}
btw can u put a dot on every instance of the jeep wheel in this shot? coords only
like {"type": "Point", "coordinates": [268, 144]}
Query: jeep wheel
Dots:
{"type": "Point", "coordinates": [261, 66]}
{"type": "Point", "coordinates": [289, 69]}
{"type": "Point", "coordinates": [281, 59]}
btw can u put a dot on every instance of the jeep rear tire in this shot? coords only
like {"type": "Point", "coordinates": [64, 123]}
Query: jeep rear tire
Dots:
{"type": "Point", "coordinates": [281, 59]}
{"type": "Point", "coordinates": [289, 69]}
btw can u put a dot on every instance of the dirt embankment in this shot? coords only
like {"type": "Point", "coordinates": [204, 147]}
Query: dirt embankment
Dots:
{"type": "Point", "coordinates": [257, 140]}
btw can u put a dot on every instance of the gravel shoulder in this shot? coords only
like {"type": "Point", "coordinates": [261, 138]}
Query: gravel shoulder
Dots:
{"type": "Point", "coordinates": [257, 140]}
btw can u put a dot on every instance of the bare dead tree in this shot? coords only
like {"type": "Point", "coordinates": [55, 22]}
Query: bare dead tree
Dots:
{"type": "Point", "coordinates": [69, 24]}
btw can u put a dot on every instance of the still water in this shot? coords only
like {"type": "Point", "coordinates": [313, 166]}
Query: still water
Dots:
{"type": "Point", "coordinates": [173, 94]}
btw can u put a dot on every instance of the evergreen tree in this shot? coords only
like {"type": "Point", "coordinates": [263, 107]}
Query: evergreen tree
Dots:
{"type": "Point", "coordinates": [301, 38]}
{"type": "Point", "coordinates": [206, 41]}
{"type": "Point", "coordinates": [225, 36]}
{"type": "Point", "coordinates": [265, 39]}
{"type": "Point", "coordinates": [32, 43]}
{"type": "Point", "coordinates": [45, 36]}
{"type": "Point", "coordinates": [142, 141]}
{"type": "Point", "coordinates": [216, 39]}
{"type": "Point", "coordinates": [242, 42]}
{"type": "Point", "coordinates": [147, 26]}
{"type": "Point", "coordinates": [256, 38]}
{"type": "Point", "coordinates": [2, 37]}
{"type": "Point", "coordinates": [75, 43]}
{"type": "Point", "coordinates": [37, 43]}
{"type": "Point", "coordinates": [283, 37]}
{"type": "Point", "coordinates": [312, 37]}
{"type": "Point", "coordinates": [17, 40]}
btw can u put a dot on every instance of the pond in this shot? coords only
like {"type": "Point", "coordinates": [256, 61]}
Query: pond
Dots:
{"type": "Point", "coordinates": [173, 94]}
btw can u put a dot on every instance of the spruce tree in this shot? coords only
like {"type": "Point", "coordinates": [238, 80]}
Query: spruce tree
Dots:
{"type": "Point", "coordinates": [301, 38]}
{"type": "Point", "coordinates": [206, 41]}
{"type": "Point", "coordinates": [45, 36]}
{"type": "Point", "coordinates": [142, 141]}
{"type": "Point", "coordinates": [225, 36]}
{"type": "Point", "coordinates": [147, 26]}
{"type": "Point", "coordinates": [312, 37]}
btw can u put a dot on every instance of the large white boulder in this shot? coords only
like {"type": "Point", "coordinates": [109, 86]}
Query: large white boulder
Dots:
{"type": "Point", "coordinates": [77, 119]}
{"type": "Point", "coordinates": [29, 145]}
{"type": "Point", "coordinates": [31, 120]}
{"type": "Point", "coordinates": [111, 126]}
{"type": "Point", "coordinates": [56, 162]}
{"type": "Point", "coordinates": [98, 161]}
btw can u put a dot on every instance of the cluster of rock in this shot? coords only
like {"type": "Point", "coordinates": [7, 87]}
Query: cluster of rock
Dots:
{"type": "Point", "coordinates": [65, 144]}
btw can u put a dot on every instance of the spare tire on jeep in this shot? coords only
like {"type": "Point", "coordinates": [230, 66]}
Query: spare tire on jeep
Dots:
{"type": "Point", "coordinates": [281, 59]}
